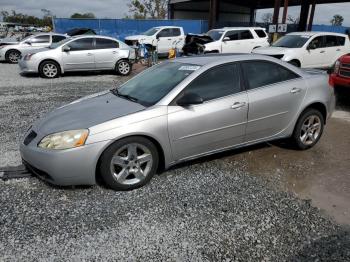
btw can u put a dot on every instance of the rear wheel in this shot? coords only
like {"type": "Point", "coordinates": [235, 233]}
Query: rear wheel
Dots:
{"type": "Point", "coordinates": [123, 67]}
{"type": "Point", "coordinates": [129, 163]}
{"type": "Point", "coordinates": [308, 129]}
{"type": "Point", "coordinates": [49, 69]}
{"type": "Point", "coordinates": [12, 56]}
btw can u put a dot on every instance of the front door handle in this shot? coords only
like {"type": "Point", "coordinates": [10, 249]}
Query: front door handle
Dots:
{"type": "Point", "coordinates": [338, 49]}
{"type": "Point", "coordinates": [89, 54]}
{"type": "Point", "coordinates": [238, 105]}
{"type": "Point", "coordinates": [295, 90]}
{"type": "Point", "coordinates": [322, 51]}
{"type": "Point", "coordinates": [115, 52]}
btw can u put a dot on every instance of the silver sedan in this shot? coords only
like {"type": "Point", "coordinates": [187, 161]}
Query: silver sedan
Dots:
{"type": "Point", "coordinates": [176, 111]}
{"type": "Point", "coordinates": [80, 53]}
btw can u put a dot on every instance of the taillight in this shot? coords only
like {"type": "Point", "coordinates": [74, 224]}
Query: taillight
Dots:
{"type": "Point", "coordinates": [336, 67]}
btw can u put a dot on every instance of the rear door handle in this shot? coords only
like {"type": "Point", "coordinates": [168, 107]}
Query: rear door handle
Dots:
{"type": "Point", "coordinates": [115, 52]}
{"type": "Point", "coordinates": [338, 49]}
{"type": "Point", "coordinates": [238, 105]}
{"type": "Point", "coordinates": [322, 51]}
{"type": "Point", "coordinates": [295, 90]}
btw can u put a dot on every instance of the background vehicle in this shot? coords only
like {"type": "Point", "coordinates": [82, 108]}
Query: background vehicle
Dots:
{"type": "Point", "coordinates": [80, 31]}
{"type": "Point", "coordinates": [162, 36]}
{"type": "Point", "coordinates": [12, 53]}
{"type": "Point", "coordinates": [309, 49]}
{"type": "Point", "coordinates": [80, 53]}
{"type": "Point", "coordinates": [176, 111]}
{"type": "Point", "coordinates": [340, 77]}
{"type": "Point", "coordinates": [236, 40]}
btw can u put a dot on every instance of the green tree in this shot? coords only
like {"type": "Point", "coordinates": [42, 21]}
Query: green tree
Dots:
{"type": "Point", "coordinates": [142, 9]}
{"type": "Point", "coordinates": [85, 15]}
{"type": "Point", "coordinates": [14, 17]}
{"type": "Point", "coordinates": [337, 20]}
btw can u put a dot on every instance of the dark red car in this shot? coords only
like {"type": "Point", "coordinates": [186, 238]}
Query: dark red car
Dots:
{"type": "Point", "coordinates": [340, 76]}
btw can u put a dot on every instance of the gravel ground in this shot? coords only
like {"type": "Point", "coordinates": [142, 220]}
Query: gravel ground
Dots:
{"type": "Point", "coordinates": [207, 210]}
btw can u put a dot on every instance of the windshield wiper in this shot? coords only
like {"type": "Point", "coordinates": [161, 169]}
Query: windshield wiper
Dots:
{"type": "Point", "coordinates": [117, 93]}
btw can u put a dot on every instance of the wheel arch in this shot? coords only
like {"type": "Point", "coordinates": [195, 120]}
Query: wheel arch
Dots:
{"type": "Point", "coordinates": [11, 49]}
{"type": "Point", "coordinates": [161, 154]}
{"type": "Point", "coordinates": [318, 106]}
{"type": "Point", "coordinates": [52, 60]}
{"type": "Point", "coordinates": [295, 60]}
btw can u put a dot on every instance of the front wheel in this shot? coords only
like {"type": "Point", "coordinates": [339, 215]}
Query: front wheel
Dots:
{"type": "Point", "coordinates": [308, 129]}
{"type": "Point", "coordinates": [123, 67]}
{"type": "Point", "coordinates": [129, 163]}
{"type": "Point", "coordinates": [49, 69]}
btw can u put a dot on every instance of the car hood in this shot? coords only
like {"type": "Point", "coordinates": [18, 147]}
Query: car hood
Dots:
{"type": "Point", "coordinates": [270, 50]}
{"type": "Point", "coordinates": [86, 112]}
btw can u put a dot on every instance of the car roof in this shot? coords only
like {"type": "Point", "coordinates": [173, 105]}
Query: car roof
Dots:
{"type": "Point", "coordinates": [239, 28]}
{"type": "Point", "coordinates": [92, 36]}
{"type": "Point", "coordinates": [316, 33]}
{"type": "Point", "coordinates": [49, 33]}
{"type": "Point", "coordinates": [214, 58]}
{"type": "Point", "coordinates": [167, 26]}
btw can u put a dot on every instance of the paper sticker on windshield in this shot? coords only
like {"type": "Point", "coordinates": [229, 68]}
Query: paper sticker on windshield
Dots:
{"type": "Point", "coordinates": [306, 36]}
{"type": "Point", "coordinates": [189, 68]}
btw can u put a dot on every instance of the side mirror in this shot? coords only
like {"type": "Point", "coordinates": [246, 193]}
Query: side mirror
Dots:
{"type": "Point", "coordinates": [311, 47]}
{"type": "Point", "coordinates": [189, 99]}
{"type": "Point", "coordinates": [66, 48]}
{"type": "Point", "coordinates": [28, 42]}
{"type": "Point", "coordinates": [226, 38]}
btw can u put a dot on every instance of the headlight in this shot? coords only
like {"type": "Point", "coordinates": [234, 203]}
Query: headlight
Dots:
{"type": "Point", "coordinates": [28, 56]}
{"type": "Point", "coordinates": [65, 139]}
{"type": "Point", "coordinates": [337, 67]}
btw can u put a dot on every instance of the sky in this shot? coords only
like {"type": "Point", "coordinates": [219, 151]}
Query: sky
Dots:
{"type": "Point", "coordinates": [118, 9]}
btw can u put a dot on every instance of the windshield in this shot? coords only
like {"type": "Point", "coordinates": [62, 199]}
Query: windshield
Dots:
{"type": "Point", "coordinates": [215, 34]}
{"type": "Point", "coordinates": [152, 85]}
{"type": "Point", "coordinates": [26, 38]}
{"type": "Point", "coordinates": [151, 31]}
{"type": "Point", "coordinates": [55, 45]}
{"type": "Point", "coordinates": [292, 41]}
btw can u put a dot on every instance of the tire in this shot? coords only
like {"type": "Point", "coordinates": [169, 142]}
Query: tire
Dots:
{"type": "Point", "coordinates": [123, 67]}
{"type": "Point", "coordinates": [308, 129]}
{"type": "Point", "coordinates": [49, 69]}
{"type": "Point", "coordinates": [122, 169]}
{"type": "Point", "coordinates": [12, 56]}
{"type": "Point", "coordinates": [294, 63]}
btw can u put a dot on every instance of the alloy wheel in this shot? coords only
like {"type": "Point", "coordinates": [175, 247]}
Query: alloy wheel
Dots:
{"type": "Point", "coordinates": [124, 67]}
{"type": "Point", "coordinates": [310, 130]}
{"type": "Point", "coordinates": [14, 57]}
{"type": "Point", "coordinates": [50, 70]}
{"type": "Point", "coordinates": [131, 164]}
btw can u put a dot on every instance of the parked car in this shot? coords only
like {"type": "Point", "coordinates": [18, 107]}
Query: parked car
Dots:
{"type": "Point", "coordinates": [12, 52]}
{"type": "Point", "coordinates": [80, 31]}
{"type": "Point", "coordinates": [340, 76]}
{"type": "Point", "coordinates": [236, 40]}
{"type": "Point", "coordinates": [175, 111]}
{"type": "Point", "coordinates": [195, 44]}
{"type": "Point", "coordinates": [79, 53]}
{"type": "Point", "coordinates": [163, 37]}
{"type": "Point", "coordinates": [309, 49]}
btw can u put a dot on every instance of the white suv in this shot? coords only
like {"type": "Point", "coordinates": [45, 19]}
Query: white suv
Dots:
{"type": "Point", "coordinates": [164, 37]}
{"type": "Point", "coordinates": [309, 49]}
{"type": "Point", "coordinates": [236, 40]}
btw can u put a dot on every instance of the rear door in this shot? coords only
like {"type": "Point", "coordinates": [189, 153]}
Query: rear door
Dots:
{"type": "Point", "coordinates": [238, 41]}
{"type": "Point", "coordinates": [40, 41]}
{"type": "Point", "coordinates": [80, 56]}
{"type": "Point", "coordinates": [217, 123]}
{"type": "Point", "coordinates": [106, 53]}
{"type": "Point", "coordinates": [335, 46]}
{"type": "Point", "coordinates": [274, 94]}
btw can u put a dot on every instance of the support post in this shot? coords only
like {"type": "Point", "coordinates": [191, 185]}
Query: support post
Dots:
{"type": "Point", "coordinates": [252, 16]}
{"type": "Point", "coordinates": [312, 14]}
{"type": "Point", "coordinates": [276, 12]}
{"type": "Point", "coordinates": [285, 11]}
{"type": "Point", "coordinates": [304, 14]}
{"type": "Point", "coordinates": [213, 12]}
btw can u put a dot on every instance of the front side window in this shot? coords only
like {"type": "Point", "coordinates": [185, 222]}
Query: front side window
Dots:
{"type": "Point", "coordinates": [165, 33]}
{"type": "Point", "coordinates": [152, 85]}
{"type": "Point", "coordinates": [262, 73]}
{"type": "Point", "coordinates": [232, 35]}
{"type": "Point", "coordinates": [176, 32]}
{"type": "Point", "coordinates": [81, 44]}
{"type": "Point", "coordinates": [41, 39]}
{"type": "Point", "coordinates": [217, 82]}
{"type": "Point", "coordinates": [103, 43]}
{"type": "Point", "coordinates": [317, 42]}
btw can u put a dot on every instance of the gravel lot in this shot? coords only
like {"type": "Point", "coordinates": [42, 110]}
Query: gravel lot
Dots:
{"type": "Point", "coordinates": [207, 210]}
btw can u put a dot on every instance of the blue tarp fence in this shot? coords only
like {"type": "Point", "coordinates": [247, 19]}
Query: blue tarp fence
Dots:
{"type": "Point", "coordinates": [330, 28]}
{"type": "Point", "coordinates": [120, 28]}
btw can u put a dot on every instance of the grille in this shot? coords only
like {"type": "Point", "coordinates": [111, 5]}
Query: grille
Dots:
{"type": "Point", "coordinates": [345, 65]}
{"type": "Point", "coordinates": [277, 56]}
{"type": "Point", "coordinates": [29, 138]}
{"type": "Point", "coordinates": [344, 73]}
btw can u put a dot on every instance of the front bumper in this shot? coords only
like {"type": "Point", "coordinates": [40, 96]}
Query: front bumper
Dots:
{"type": "Point", "coordinates": [28, 66]}
{"type": "Point", "coordinates": [69, 167]}
{"type": "Point", "coordinates": [2, 55]}
{"type": "Point", "coordinates": [340, 81]}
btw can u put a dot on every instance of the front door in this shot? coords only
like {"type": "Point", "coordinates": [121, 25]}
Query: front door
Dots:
{"type": "Point", "coordinates": [165, 39]}
{"type": "Point", "coordinates": [275, 94]}
{"type": "Point", "coordinates": [315, 53]}
{"type": "Point", "coordinates": [218, 123]}
{"type": "Point", "coordinates": [80, 56]}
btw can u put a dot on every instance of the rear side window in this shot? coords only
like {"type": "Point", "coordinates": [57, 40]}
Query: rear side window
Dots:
{"type": "Point", "coordinates": [331, 40]}
{"type": "Point", "coordinates": [261, 73]}
{"type": "Point", "coordinates": [81, 44]}
{"type": "Point", "coordinates": [57, 38]}
{"type": "Point", "coordinates": [216, 82]}
{"type": "Point", "coordinates": [261, 33]}
{"type": "Point", "coordinates": [233, 35]}
{"type": "Point", "coordinates": [41, 39]}
{"type": "Point", "coordinates": [340, 41]}
{"type": "Point", "coordinates": [102, 43]}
